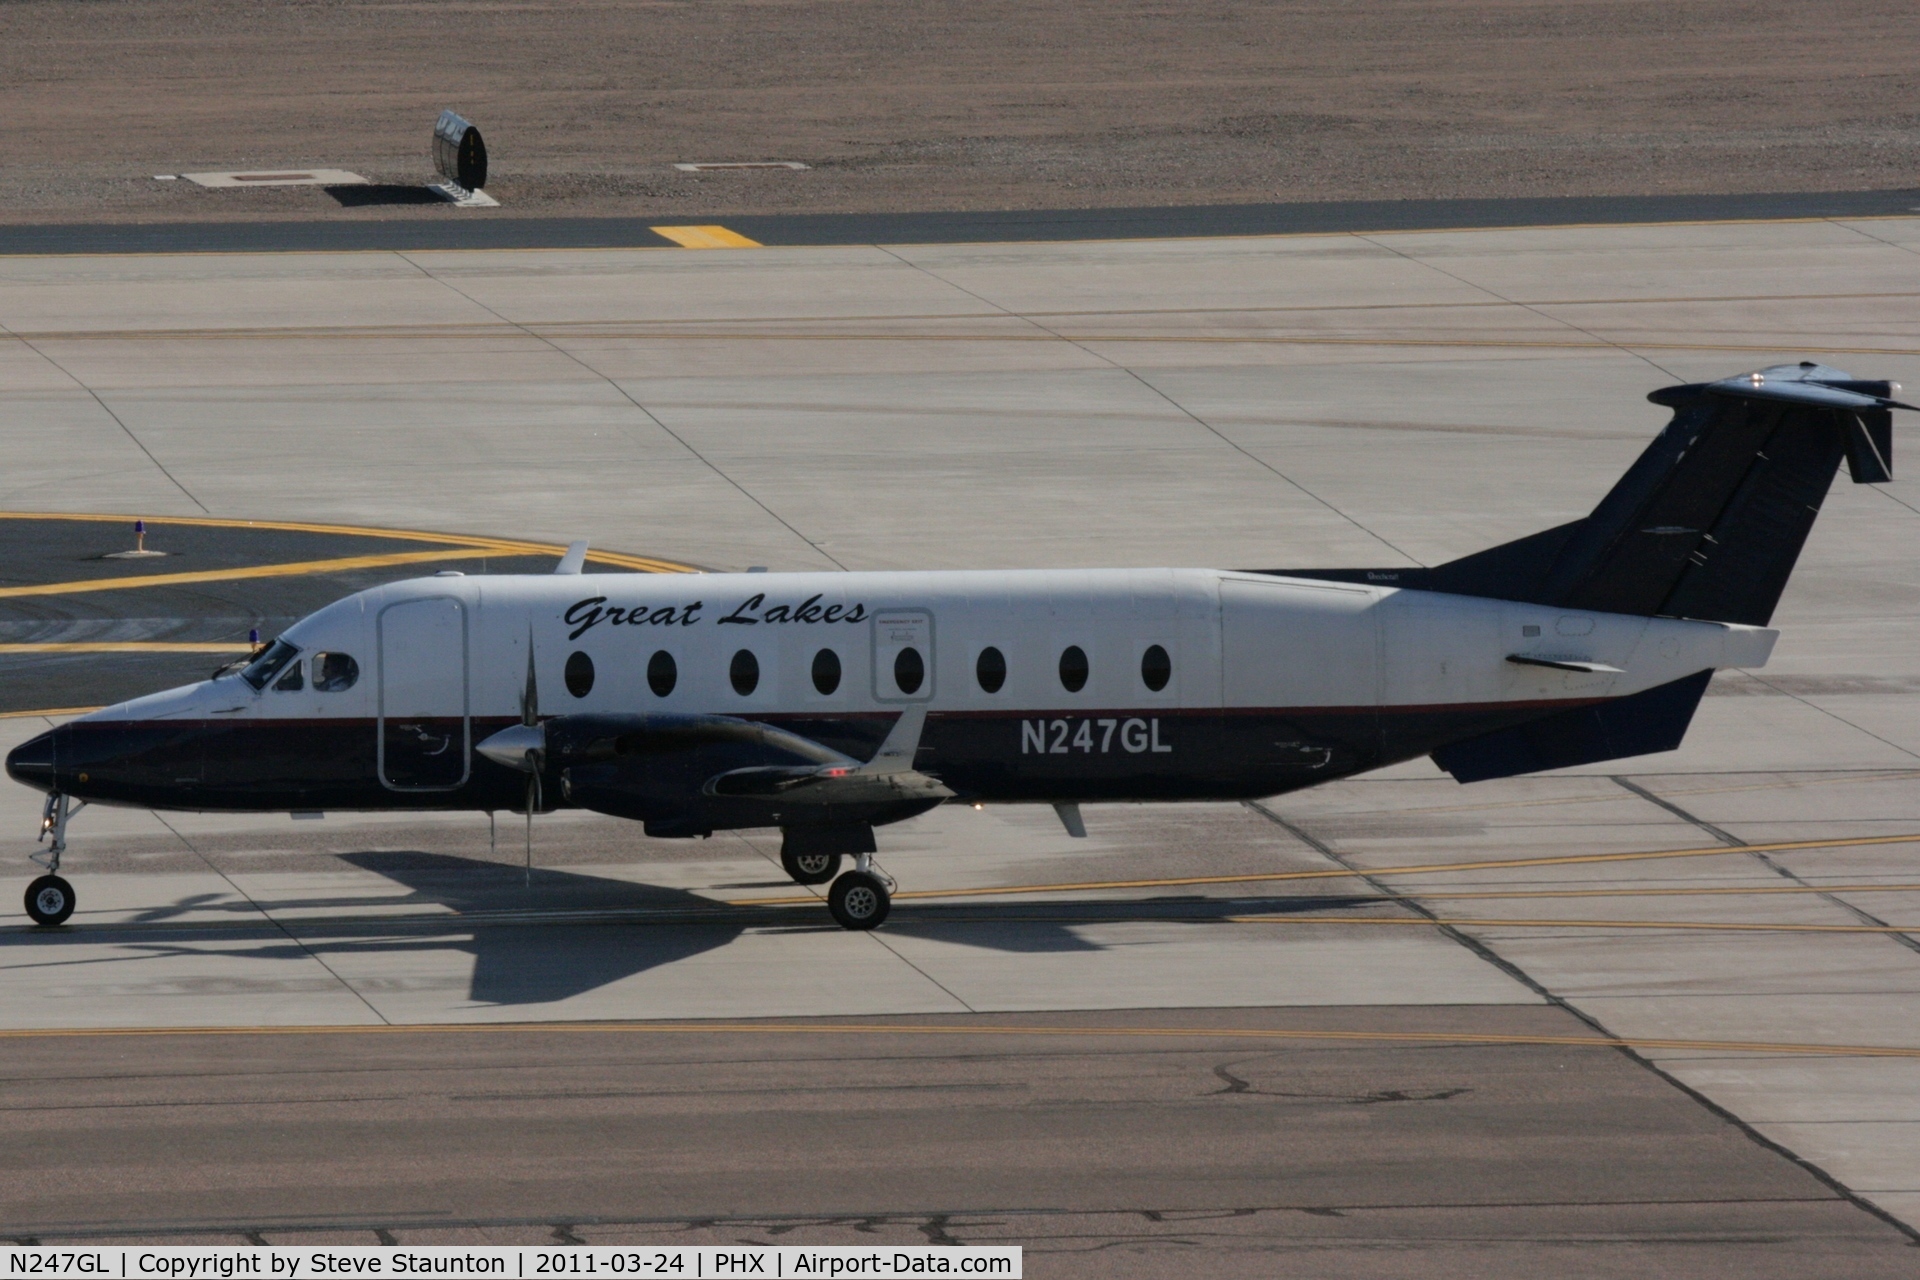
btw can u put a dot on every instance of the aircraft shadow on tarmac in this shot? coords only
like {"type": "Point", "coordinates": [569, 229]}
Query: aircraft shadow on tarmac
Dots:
{"type": "Point", "coordinates": [549, 935]}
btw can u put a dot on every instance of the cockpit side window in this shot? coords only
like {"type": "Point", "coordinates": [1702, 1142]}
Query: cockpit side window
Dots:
{"type": "Point", "coordinates": [265, 667]}
{"type": "Point", "coordinates": [290, 681]}
{"type": "Point", "coordinates": [334, 672]}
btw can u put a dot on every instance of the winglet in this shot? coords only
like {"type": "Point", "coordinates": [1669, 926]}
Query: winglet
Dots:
{"type": "Point", "coordinates": [575, 560]}
{"type": "Point", "coordinates": [903, 741]}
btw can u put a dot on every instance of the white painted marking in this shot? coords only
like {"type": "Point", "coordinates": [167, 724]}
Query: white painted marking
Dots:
{"type": "Point", "coordinates": [289, 177]}
{"type": "Point", "coordinates": [461, 198]}
{"type": "Point", "coordinates": [741, 164]}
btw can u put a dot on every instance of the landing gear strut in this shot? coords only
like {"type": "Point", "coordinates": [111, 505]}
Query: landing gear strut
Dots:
{"type": "Point", "coordinates": [49, 898]}
{"type": "Point", "coordinates": [860, 899]}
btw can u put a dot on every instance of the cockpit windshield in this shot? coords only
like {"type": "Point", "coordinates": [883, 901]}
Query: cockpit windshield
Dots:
{"type": "Point", "coordinates": [265, 667]}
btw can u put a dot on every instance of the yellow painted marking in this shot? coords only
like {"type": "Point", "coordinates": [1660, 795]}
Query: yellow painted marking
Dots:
{"type": "Point", "coordinates": [636, 328]}
{"type": "Point", "coordinates": [487, 545]}
{"type": "Point", "coordinates": [994, 1030]}
{"type": "Point", "coordinates": [706, 238]}
{"type": "Point", "coordinates": [1664, 893]}
{"type": "Point", "coordinates": [291, 569]}
{"type": "Point", "coordinates": [1615, 795]}
{"type": "Point", "coordinates": [1431, 868]}
{"type": "Point", "coordinates": [128, 646]}
{"type": "Point", "coordinates": [1261, 339]}
{"type": "Point", "coordinates": [1684, 925]}
{"type": "Point", "coordinates": [49, 711]}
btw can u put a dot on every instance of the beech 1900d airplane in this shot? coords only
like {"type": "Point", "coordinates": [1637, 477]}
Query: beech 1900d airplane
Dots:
{"type": "Point", "coordinates": [828, 704]}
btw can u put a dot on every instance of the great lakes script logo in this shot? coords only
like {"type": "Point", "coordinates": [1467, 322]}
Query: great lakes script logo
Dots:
{"type": "Point", "coordinates": [584, 615]}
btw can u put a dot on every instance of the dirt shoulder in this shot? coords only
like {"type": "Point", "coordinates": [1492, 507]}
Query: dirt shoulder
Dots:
{"type": "Point", "coordinates": [989, 104]}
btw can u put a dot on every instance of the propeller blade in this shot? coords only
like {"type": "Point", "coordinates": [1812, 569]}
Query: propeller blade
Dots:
{"type": "Point", "coordinates": [530, 696]}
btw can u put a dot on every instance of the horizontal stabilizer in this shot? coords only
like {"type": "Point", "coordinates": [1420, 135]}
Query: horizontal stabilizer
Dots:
{"type": "Point", "coordinates": [1653, 720]}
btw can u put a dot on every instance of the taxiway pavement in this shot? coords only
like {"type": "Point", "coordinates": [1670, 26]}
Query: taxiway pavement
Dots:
{"type": "Point", "coordinates": [1255, 402]}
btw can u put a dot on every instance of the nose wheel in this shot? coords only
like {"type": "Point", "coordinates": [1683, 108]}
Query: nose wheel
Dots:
{"type": "Point", "coordinates": [49, 901]}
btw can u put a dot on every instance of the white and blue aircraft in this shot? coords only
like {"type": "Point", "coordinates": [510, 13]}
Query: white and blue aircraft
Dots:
{"type": "Point", "coordinates": [829, 704]}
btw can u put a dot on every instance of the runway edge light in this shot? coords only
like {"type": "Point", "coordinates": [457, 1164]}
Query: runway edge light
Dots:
{"type": "Point", "coordinates": [460, 156]}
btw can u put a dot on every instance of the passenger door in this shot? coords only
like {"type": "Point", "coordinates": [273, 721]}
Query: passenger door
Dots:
{"type": "Point", "coordinates": [424, 729]}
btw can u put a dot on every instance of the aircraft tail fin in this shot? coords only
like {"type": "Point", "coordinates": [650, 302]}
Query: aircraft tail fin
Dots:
{"type": "Point", "coordinates": [1708, 522]}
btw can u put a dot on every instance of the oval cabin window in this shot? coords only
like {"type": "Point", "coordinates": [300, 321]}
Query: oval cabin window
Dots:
{"type": "Point", "coordinates": [990, 669]}
{"type": "Point", "coordinates": [909, 670]}
{"type": "Point", "coordinates": [1156, 668]}
{"type": "Point", "coordinates": [662, 673]}
{"type": "Point", "coordinates": [579, 674]}
{"type": "Point", "coordinates": [1073, 669]}
{"type": "Point", "coordinates": [826, 671]}
{"type": "Point", "coordinates": [744, 672]}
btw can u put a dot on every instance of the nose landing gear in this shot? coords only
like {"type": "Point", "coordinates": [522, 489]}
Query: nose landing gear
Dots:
{"type": "Point", "coordinates": [50, 899]}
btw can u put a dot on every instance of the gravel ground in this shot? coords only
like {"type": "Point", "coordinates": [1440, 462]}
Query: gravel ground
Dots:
{"type": "Point", "coordinates": [911, 105]}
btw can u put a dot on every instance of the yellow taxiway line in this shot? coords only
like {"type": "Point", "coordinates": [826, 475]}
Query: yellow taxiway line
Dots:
{"type": "Point", "coordinates": [122, 646]}
{"type": "Point", "coordinates": [989, 1030]}
{"type": "Point", "coordinates": [474, 542]}
{"type": "Point", "coordinates": [708, 237]}
{"type": "Point", "coordinates": [291, 569]}
{"type": "Point", "coordinates": [48, 711]}
{"type": "Point", "coordinates": [1674, 892]}
{"type": "Point", "coordinates": [1683, 925]}
{"type": "Point", "coordinates": [1430, 868]}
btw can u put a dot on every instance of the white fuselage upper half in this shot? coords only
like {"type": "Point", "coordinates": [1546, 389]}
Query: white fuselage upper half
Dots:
{"type": "Point", "coordinates": [1231, 641]}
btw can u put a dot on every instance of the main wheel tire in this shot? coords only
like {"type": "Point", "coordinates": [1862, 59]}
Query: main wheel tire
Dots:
{"type": "Point", "coordinates": [49, 901]}
{"type": "Point", "coordinates": [858, 901]}
{"type": "Point", "coordinates": [811, 868]}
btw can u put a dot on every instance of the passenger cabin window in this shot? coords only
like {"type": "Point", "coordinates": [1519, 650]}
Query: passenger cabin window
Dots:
{"type": "Point", "coordinates": [1073, 669]}
{"type": "Point", "coordinates": [744, 672]}
{"type": "Point", "coordinates": [334, 672]}
{"type": "Point", "coordinates": [909, 670]}
{"type": "Point", "coordinates": [579, 674]}
{"type": "Point", "coordinates": [990, 669]}
{"type": "Point", "coordinates": [662, 673]}
{"type": "Point", "coordinates": [1156, 668]}
{"type": "Point", "coordinates": [291, 681]}
{"type": "Point", "coordinates": [261, 671]}
{"type": "Point", "coordinates": [826, 671]}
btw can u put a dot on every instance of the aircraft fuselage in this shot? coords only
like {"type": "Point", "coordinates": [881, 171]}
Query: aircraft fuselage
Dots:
{"type": "Point", "coordinates": [1045, 685]}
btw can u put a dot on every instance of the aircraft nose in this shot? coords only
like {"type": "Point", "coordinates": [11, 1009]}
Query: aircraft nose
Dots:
{"type": "Point", "coordinates": [32, 761]}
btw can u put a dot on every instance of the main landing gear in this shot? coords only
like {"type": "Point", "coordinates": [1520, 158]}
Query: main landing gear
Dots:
{"type": "Point", "coordinates": [50, 899]}
{"type": "Point", "coordinates": [860, 899]}
{"type": "Point", "coordinates": [810, 867]}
